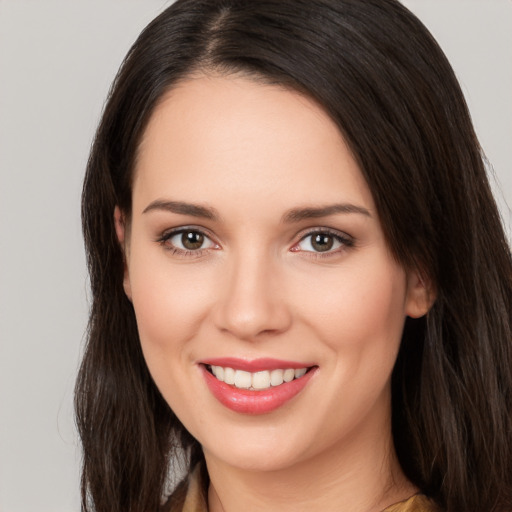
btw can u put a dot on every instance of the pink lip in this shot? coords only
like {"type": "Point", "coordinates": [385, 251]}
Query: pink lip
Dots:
{"type": "Point", "coordinates": [255, 402]}
{"type": "Point", "coordinates": [255, 365]}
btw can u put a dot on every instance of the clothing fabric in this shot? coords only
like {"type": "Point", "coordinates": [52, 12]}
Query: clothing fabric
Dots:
{"type": "Point", "coordinates": [190, 496]}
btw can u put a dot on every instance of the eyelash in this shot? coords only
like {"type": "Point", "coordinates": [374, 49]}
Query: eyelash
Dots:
{"type": "Point", "coordinates": [345, 241]}
{"type": "Point", "coordinates": [168, 235]}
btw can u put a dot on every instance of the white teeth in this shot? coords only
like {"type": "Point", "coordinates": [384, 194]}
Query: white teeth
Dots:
{"type": "Point", "coordinates": [229, 376]}
{"type": "Point", "coordinates": [258, 380]}
{"type": "Point", "coordinates": [300, 372]}
{"type": "Point", "coordinates": [289, 375]}
{"type": "Point", "coordinates": [261, 380]}
{"type": "Point", "coordinates": [220, 373]}
{"type": "Point", "coordinates": [276, 377]}
{"type": "Point", "coordinates": [243, 379]}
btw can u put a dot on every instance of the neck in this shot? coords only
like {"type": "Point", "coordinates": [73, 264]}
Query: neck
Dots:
{"type": "Point", "coordinates": [352, 476]}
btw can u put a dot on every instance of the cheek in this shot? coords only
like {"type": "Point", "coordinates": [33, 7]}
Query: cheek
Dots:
{"type": "Point", "coordinates": [170, 302]}
{"type": "Point", "coordinates": [359, 305]}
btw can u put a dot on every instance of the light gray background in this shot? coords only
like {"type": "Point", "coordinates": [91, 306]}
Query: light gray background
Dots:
{"type": "Point", "coordinates": [57, 59]}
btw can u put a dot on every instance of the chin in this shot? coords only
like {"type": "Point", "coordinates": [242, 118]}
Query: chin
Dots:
{"type": "Point", "coordinates": [263, 451]}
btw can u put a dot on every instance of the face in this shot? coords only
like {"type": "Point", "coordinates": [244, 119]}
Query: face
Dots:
{"type": "Point", "coordinates": [255, 253]}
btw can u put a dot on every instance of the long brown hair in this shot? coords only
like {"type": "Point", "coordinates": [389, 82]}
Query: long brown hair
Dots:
{"type": "Point", "coordinates": [380, 75]}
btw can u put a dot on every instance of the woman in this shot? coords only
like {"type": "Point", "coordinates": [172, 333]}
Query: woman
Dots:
{"type": "Point", "coordinates": [301, 286]}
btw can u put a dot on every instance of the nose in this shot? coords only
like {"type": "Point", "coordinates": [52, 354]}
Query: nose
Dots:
{"type": "Point", "coordinates": [252, 300]}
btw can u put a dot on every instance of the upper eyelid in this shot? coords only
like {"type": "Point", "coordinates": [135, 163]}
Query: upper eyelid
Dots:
{"type": "Point", "coordinates": [167, 233]}
{"type": "Point", "coordinates": [330, 231]}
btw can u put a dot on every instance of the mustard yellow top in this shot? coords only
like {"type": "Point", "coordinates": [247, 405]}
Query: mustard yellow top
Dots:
{"type": "Point", "coordinates": [190, 497]}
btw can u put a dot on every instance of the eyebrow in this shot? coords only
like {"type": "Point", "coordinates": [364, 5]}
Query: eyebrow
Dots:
{"type": "Point", "coordinates": [299, 214]}
{"type": "Point", "coordinates": [291, 216]}
{"type": "Point", "coordinates": [182, 208]}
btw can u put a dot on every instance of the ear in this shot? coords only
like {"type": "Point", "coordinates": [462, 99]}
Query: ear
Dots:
{"type": "Point", "coordinates": [420, 295]}
{"type": "Point", "coordinates": [121, 232]}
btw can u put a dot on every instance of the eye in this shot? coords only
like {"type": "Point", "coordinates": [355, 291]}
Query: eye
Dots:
{"type": "Point", "coordinates": [187, 240]}
{"type": "Point", "coordinates": [323, 242]}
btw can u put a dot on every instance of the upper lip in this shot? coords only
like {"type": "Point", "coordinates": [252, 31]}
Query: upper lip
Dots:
{"type": "Point", "coordinates": [254, 365]}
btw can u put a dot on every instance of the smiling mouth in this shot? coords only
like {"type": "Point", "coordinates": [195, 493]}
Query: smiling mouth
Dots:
{"type": "Point", "coordinates": [256, 381]}
{"type": "Point", "coordinates": [257, 386]}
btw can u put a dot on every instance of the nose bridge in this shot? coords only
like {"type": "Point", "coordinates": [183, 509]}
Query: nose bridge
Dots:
{"type": "Point", "coordinates": [252, 302]}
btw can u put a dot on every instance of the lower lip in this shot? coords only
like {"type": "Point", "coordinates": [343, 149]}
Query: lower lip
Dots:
{"type": "Point", "coordinates": [255, 402]}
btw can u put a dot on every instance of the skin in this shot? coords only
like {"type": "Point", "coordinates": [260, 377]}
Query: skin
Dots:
{"type": "Point", "coordinates": [257, 288]}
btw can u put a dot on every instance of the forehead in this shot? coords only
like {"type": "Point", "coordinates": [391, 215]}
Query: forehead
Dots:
{"type": "Point", "coordinates": [233, 134]}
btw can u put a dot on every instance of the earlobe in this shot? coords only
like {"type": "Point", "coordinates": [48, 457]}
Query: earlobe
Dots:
{"type": "Point", "coordinates": [420, 295]}
{"type": "Point", "coordinates": [120, 226]}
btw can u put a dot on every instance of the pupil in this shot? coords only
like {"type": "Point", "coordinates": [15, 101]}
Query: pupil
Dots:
{"type": "Point", "coordinates": [192, 240]}
{"type": "Point", "coordinates": [322, 243]}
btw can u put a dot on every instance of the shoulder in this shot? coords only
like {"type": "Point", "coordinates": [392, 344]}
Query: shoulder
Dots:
{"type": "Point", "coordinates": [189, 496]}
{"type": "Point", "coordinates": [416, 503]}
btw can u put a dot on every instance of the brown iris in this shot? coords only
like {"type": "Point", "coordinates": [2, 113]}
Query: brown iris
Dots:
{"type": "Point", "coordinates": [322, 242]}
{"type": "Point", "coordinates": [192, 240]}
